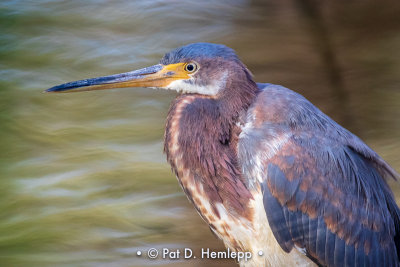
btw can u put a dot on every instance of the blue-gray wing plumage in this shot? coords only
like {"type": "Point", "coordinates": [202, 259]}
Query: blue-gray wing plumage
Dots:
{"type": "Point", "coordinates": [324, 190]}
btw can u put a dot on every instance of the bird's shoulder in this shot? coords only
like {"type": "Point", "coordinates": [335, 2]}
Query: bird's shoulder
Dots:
{"type": "Point", "coordinates": [281, 113]}
{"type": "Point", "coordinates": [275, 103]}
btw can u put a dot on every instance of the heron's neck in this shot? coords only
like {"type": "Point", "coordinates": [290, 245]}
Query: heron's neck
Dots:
{"type": "Point", "coordinates": [201, 146]}
{"type": "Point", "coordinates": [237, 97]}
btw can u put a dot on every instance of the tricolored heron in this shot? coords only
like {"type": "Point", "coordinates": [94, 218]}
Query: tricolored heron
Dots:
{"type": "Point", "coordinates": [265, 168]}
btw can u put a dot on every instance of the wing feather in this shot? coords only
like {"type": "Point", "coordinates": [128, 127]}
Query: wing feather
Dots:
{"type": "Point", "coordinates": [323, 189]}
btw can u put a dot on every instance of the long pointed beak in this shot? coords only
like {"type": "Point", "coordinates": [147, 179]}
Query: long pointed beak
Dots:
{"type": "Point", "coordinates": [155, 76]}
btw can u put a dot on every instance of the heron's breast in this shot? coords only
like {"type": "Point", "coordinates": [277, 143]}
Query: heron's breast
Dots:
{"type": "Point", "coordinates": [206, 166]}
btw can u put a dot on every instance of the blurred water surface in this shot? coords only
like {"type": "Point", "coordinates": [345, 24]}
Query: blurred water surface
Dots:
{"type": "Point", "coordinates": [83, 180]}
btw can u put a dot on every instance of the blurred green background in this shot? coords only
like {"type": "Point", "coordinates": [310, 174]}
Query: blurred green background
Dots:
{"type": "Point", "coordinates": [83, 180]}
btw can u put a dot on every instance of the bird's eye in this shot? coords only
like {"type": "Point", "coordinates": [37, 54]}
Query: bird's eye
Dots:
{"type": "Point", "coordinates": [191, 67]}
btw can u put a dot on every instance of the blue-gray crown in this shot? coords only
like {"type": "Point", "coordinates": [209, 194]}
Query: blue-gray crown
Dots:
{"type": "Point", "coordinates": [199, 50]}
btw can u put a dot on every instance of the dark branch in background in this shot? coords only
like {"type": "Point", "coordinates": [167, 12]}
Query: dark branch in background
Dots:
{"type": "Point", "coordinates": [311, 12]}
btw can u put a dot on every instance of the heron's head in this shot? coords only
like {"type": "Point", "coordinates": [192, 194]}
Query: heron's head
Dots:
{"type": "Point", "coordinates": [199, 68]}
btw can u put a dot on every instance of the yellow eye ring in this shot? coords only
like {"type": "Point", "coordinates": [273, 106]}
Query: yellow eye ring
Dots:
{"type": "Point", "coordinates": [191, 67]}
